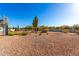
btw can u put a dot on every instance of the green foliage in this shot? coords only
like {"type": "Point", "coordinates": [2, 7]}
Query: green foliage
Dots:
{"type": "Point", "coordinates": [35, 23]}
{"type": "Point", "coordinates": [17, 33]}
{"type": "Point", "coordinates": [66, 30]}
{"type": "Point", "coordinates": [76, 26]}
{"type": "Point", "coordinates": [65, 27]}
{"type": "Point", "coordinates": [43, 27]}
{"type": "Point", "coordinates": [52, 28]}
{"type": "Point", "coordinates": [23, 34]}
{"type": "Point", "coordinates": [17, 28]}
{"type": "Point", "coordinates": [11, 33]}
{"type": "Point", "coordinates": [28, 27]}
{"type": "Point", "coordinates": [57, 27]}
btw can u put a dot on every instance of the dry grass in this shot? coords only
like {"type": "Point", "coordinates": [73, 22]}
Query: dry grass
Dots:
{"type": "Point", "coordinates": [44, 45]}
{"type": "Point", "coordinates": [1, 37]}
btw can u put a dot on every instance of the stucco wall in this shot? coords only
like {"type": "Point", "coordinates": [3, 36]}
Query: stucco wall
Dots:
{"type": "Point", "coordinates": [1, 31]}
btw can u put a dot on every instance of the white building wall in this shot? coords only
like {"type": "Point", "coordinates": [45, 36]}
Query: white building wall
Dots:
{"type": "Point", "coordinates": [1, 31]}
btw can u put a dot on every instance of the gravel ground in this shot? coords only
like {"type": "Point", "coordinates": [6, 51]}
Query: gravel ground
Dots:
{"type": "Point", "coordinates": [53, 44]}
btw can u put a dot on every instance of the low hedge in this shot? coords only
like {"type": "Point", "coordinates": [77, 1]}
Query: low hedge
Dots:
{"type": "Point", "coordinates": [17, 33]}
{"type": "Point", "coordinates": [66, 30]}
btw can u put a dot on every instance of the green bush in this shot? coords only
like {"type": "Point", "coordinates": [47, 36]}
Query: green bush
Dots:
{"type": "Point", "coordinates": [16, 33]}
{"type": "Point", "coordinates": [66, 30]}
{"type": "Point", "coordinates": [23, 34]}
{"type": "Point", "coordinates": [10, 34]}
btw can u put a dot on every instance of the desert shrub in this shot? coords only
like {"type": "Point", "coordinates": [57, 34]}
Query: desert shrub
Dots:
{"type": "Point", "coordinates": [40, 33]}
{"type": "Point", "coordinates": [76, 26]}
{"type": "Point", "coordinates": [23, 33]}
{"type": "Point", "coordinates": [66, 30]}
{"type": "Point", "coordinates": [44, 31]}
{"type": "Point", "coordinates": [17, 33]}
{"type": "Point", "coordinates": [28, 28]}
{"type": "Point", "coordinates": [77, 31]}
{"type": "Point", "coordinates": [43, 28]}
{"type": "Point", "coordinates": [47, 33]}
{"type": "Point", "coordinates": [10, 33]}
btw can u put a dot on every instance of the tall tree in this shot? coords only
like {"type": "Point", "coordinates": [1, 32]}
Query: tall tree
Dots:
{"type": "Point", "coordinates": [28, 27]}
{"type": "Point", "coordinates": [76, 26]}
{"type": "Point", "coordinates": [17, 28]}
{"type": "Point", "coordinates": [35, 24]}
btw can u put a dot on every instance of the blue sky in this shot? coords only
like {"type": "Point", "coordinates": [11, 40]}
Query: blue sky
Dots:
{"type": "Point", "coordinates": [51, 14]}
